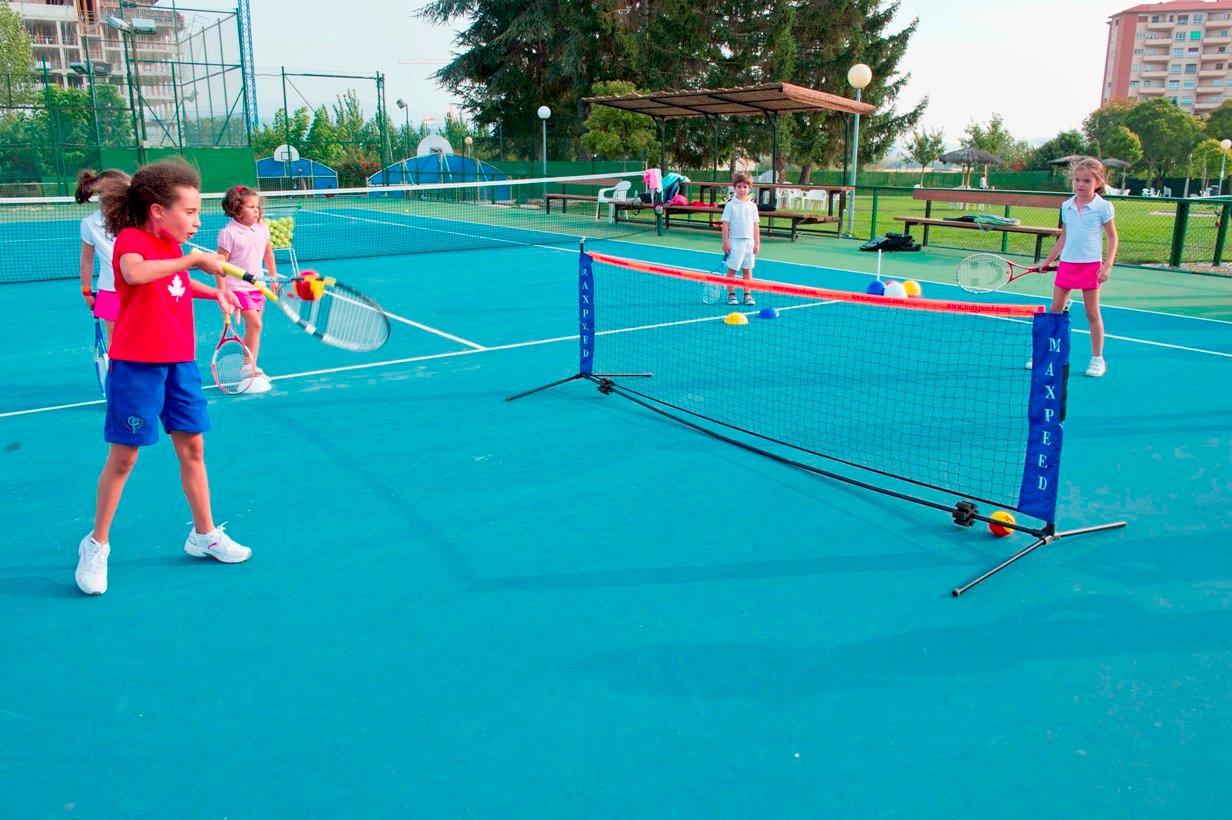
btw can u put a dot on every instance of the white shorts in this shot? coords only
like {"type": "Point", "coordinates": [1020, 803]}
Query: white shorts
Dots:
{"type": "Point", "coordinates": [741, 256]}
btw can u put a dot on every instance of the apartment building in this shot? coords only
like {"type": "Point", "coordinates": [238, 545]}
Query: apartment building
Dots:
{"type": "Point", "coordinates": [61, 38]}
{"type": "Point", "coordinates": [1181, 51]}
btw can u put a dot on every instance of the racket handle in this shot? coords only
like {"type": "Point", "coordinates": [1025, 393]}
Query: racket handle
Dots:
{"type": "Point", "coordinates": [238, 273]}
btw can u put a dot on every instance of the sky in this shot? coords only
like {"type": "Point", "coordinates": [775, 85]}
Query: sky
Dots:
{"type": "Point", "coordinates": [1037, 63]}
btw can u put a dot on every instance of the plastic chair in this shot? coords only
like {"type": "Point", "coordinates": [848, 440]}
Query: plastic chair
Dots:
{"type": "Point", "coordinates": [617, 193]}
{"type": "Point", "coordinates": [815, 200]}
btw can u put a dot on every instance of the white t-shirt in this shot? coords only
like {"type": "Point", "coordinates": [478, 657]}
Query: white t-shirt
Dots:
{"type": "Point", "coordinates": [94, 233]}
{"type": "Point", "coordinates": [1084, 232]}
{"type": "Point", "coordinates": [743, 217]}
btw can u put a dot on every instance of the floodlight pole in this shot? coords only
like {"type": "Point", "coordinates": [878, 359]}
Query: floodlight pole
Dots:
{"type": "Point", "coordinates": [544, 113]}
{"type": "Point", "coordinates": [1224, 145]}
{"type": "Point", "coordinates": [859, 76]}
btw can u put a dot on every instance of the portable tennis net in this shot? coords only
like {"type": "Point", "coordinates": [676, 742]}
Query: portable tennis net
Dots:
{"type": "Point", "coordinates": [42, 240]}
{"type": "Point", "coordinates": [919, 399]}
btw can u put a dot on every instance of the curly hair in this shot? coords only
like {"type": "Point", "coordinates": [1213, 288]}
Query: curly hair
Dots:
{"type": "Point", "coordinates": [234, 198]}
{"type": "Point", "coordinates": [88, 182]}
{"type": "Point", "coordinates": [126, 203]}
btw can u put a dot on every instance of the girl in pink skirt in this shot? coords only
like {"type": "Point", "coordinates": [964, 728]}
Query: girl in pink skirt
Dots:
{"type": "Point", "coordinates": [1085, 218]}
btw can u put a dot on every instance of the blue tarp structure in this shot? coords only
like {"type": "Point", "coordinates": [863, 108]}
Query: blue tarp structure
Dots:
{"type": "Point", "coordinates": [303, 174]}
{"type": "Point", "coordinates": [430, 168]}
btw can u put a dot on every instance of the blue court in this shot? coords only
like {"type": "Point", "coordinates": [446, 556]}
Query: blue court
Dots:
{"type": "Point", "coordinates": [568, 606]}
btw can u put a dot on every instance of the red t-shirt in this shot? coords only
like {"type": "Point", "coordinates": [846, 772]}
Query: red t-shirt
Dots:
{"type": "Point", "coordinates": [155, 322]}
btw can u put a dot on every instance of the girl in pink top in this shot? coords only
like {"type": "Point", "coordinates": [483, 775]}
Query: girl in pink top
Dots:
{"type": "Point", "coordinates": [245, 243]}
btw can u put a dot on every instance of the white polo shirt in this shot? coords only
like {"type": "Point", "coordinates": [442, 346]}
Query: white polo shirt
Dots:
{"type": "Point", "coordinates": [1084, 230]}
{"type": "Point", "coordinates": [94, 232]}
{"type": "Point", "coordinates": [743, 217]}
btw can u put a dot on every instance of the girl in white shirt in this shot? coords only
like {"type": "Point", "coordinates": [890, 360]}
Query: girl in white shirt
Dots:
{"type": "Point", "coordinates": [97, 243]}
{"type": "Point", "coordinates": [1086, 218]}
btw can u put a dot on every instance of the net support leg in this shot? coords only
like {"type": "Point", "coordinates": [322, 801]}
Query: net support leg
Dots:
{"type": "Point", "coordinates": [1041, 541]}
{"type": "Point", "coordinates": [597, 378]}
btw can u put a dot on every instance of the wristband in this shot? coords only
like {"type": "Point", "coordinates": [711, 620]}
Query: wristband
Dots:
{"type": "Point", "coordinates": [87, 292]}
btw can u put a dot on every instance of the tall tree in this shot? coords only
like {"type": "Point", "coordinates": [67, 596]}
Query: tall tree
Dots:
{"type": "Point", "coordinates": [1101, 123]}
{"type": "Point", "coordinates": [1123, 144]}
{"type": "Point", "coordinates": [1064, 144]}
{"type": "Point", "coordinates": [614, 133]}
{"type": "Point", "coordinates": [995, 138]}
{"type": "Point", "coordinates": [925, 147]}
{"type": "Point", "coordinates": [1219, 122]}
{"type": "Point", "coordinates": [1168, 135]}
{"type": "Point", "coordinates": [16, 58]}
{"type": "Point", "coordinates": [515, 55]}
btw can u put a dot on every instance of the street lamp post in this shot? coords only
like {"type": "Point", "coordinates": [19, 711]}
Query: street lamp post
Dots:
{"type": "Point", "coordinates": [127, 29]}
{"type": "Point", "coordinates": [544, 113]}
{"type": "Point", "coordinates": [466, 152]}
{"type": "Point", "coordinates": [859, 76]}
{"type": "Point", "coordinates": [1224, 145]}
{"type": "Point", "coordinates": [406, 152]}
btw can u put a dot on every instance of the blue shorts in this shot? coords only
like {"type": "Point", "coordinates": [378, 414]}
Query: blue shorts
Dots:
{"type": "Point", "coordinates": [140, 392]}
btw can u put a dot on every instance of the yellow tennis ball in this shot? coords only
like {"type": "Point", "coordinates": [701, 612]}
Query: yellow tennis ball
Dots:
{"type": "Point", "coordinates": [912, 288]}
{"type": "Point", "coordinates": [997, 529]}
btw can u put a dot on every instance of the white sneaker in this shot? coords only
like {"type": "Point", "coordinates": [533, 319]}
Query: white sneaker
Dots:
{"type": "Point", "coordinates": [732, 300]}
{"type": "Point", "coordinates": [1097, 367]}
{"type": "Point", "coordinates": [259, 383]}
{"type": "Point", "coordinates": [1030, 364]}
{"type": "Point", "coordinates": [216, 544]}
{"type": "Point", "coordinates": [749, 300]}
{"type": "Point", "coordinates": [92, 566]}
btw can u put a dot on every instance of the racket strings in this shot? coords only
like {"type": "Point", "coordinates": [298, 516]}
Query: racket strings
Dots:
{"type": "Point", "coordinates": [233, 367]}
{"type": "Point", "coordinates": [982, 273]}
{"type": "Point", "coordinates": [344, 318]}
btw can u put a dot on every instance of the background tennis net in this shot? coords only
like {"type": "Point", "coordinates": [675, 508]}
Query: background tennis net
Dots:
{"type": "Point", "coordinates": [41, 237]}
{"type": "Point", "coordinates": [930, 392]}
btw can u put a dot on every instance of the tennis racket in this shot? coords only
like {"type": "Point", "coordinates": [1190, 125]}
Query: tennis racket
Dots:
{"type": "Point", "coordinates": [986, 272]}
{"type": "Point", "coordinates": [712, 293]}
{"type": "Point", "coordinates": [100, 357]}
{"type": "Point", "coordinates": [233, 365]}
{"type": "Point", "coordinates": [337, 314]}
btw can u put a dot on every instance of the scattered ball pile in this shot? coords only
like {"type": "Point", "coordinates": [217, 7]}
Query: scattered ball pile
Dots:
{"type": "Point", "coordinates": [282, 231]}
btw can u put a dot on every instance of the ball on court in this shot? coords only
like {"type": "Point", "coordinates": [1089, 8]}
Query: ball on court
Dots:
{"type": "Point", "coordinates": [875, 288]}
{"type": "Point", "coordinates": [895, 290]}
{"type": "Point", "coordinates": [912, 288]}
{"type": "Point", "coordinates": [997, 529]}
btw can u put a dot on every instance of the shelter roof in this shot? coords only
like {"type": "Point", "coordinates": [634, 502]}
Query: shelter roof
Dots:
{"type": "Point", "coordinates": [768, 98]}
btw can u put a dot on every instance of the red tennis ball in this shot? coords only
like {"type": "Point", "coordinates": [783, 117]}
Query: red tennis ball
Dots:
{"type": "Point", "coordinates": [997, 529]}
{"type": "Point", "coordinates": [306, 288]}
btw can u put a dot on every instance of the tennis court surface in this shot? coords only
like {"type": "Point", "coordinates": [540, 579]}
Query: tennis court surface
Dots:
{"type": "Point", "coordinates": [568, 605]}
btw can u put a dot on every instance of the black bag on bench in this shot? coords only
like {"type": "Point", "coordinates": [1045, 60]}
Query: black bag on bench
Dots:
{"type": "Point", "coordinates": [891, 242]}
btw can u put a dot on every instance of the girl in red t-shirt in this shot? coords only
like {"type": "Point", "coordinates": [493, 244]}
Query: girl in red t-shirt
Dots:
{"type": "Point", "coordinates": [153, 374]}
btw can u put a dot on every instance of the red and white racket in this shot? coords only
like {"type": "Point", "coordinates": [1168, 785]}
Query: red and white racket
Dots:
{"type": "Point", "coordinates": [987, 272]}
{"type": "Point", "coordinates": [232, 364]}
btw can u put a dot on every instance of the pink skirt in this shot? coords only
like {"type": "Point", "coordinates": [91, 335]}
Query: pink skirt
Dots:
{"type": "Point", "coordinates": [1078, 275]}
{"type": "Point", "coordinates": [106, 305]}
{"type": "Point", "coordinates": [250, 299]}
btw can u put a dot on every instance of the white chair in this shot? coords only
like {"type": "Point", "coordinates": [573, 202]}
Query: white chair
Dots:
{"type": "Point", "coordinates": [815, 200]}
{"type": "Point", "coordinates": [606, 196]}
{"type": "Point", "coordinates": [1167, 192]}
{"type": "Point", "coordinates": [790, 198]}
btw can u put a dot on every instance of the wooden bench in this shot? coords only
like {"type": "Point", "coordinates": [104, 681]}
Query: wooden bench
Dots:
{"type": "Point", "coordinates": [797, 217]}
{"type": "Point", "coordinates": [565, 199]}
{"type": "Point", "coordinates": [965, 197]}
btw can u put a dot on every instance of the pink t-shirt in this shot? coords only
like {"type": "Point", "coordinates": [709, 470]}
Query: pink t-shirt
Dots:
{"type": "Point", "coordinates": [245, 246]}
{"type": "Point", "coordinates": [155, 322]}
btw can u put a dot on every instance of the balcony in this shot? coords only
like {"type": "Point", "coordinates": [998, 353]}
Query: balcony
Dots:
{"type": "Point", "coordinates": [1154, 74]}
{"type": "Point", "coordinates": [1162, 25]}
{"type": "Point", "coordinates": [1154, 58]}
{"type": "Point", "coordinates": [1216, 41]}
{"type": "Point", "coordinates": [1212, 72]}
{"type": "Point", "coordinates": [1207, 105]}
{"type": "Point", "coordinates": [1152, 91]}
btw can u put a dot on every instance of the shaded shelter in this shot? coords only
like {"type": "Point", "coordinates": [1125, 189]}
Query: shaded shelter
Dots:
{"type": "Point", "coordinates": [768, 100]}
{"type": "Point", "coordinates": [969, 157]}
